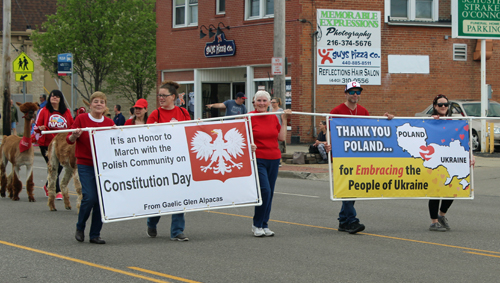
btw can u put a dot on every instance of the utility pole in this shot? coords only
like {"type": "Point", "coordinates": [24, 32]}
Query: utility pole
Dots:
{"type": "Point", "coordinates": [279, 47]}
{"type": "Point", "coordinates": [6, 67]}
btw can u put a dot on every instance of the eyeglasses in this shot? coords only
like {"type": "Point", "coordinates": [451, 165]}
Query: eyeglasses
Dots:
{"type": "Point", "coordinates": [273, 102]}
{"type": "Point", "coordinates": [353, 92]}
{"type": "Point", "coordinates": [164, 95]}
{"type": "Point", "coordinates": [443, 104]}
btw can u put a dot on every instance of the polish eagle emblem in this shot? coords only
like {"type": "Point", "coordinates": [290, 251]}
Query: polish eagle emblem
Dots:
{"type": "Point", "coordinates": [221, 151]}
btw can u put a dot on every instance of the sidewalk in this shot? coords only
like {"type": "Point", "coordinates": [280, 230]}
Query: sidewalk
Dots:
{"type": "Point", "coordinates": [303, 171]}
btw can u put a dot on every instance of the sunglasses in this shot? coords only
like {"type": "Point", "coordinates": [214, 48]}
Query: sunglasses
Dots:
{"type": "Point", "coordinates": [438, 97]}
{"type": "Point", "coordinates": [443, 104]}
{"type": "Point", "coordinates": [164, 95]}
{"type": "Point", "coordinates": [353, 92]}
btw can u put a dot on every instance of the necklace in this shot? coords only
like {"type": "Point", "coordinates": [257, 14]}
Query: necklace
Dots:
{"type": "Point", "coordinates": [355, 110]}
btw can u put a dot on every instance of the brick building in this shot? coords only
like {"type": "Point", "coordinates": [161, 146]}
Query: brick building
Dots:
{"type": "Point", "coordinates": [408, 27]}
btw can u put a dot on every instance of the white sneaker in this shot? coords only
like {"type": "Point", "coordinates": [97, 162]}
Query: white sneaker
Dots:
{"type": "Point", "coordinates": [258, 232]}
{"type": "Point", "coordinates": [268, 232]}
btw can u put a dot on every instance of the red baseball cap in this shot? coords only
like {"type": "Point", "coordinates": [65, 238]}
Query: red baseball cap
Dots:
{"type": "Point", "coordinates": [81, 110]}
{"type": "Point", "coordinates": [141, 103]}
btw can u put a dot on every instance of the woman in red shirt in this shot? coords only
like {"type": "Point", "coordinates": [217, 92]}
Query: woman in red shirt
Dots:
{"type": "Point", "coordinates": [267, 131]}
{"type": "Point", "coordinates": [168, 112]}
{"type": "Point", "coordinates": [54, 116]}
{"type": "Point", "coordinates": [140, 113]}
{"type": "Point", "coordinates": [90, 200]}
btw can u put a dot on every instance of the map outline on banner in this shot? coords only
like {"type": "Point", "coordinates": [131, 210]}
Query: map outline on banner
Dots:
{"type": "Point", "coordinates": [386, 144]}
{"type": "Point", "coordinates": [252, 186]}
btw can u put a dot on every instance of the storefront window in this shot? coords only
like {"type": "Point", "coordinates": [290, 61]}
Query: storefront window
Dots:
{"type": "Point", "coordinates": [268, 86]}
{"type": "Point", "coordinates": [215, 93]}
{"type": "Point", "coordinates": [186, 98]}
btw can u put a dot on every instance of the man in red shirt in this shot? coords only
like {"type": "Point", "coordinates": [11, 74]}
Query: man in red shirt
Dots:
{"type": "Point", "coordinates": [347, 216]}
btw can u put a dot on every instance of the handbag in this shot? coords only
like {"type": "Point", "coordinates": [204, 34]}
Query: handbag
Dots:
{"type": "Point", "coordinates": [313, 149]}
{"type": "Point", "coordinates": [299, 157]}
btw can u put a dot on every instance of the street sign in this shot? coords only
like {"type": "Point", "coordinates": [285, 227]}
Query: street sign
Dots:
{"type": "Point", "coordinates": [64, 64]}
{"type": "Point", "coordinates": [277, 66]}
{"type": "Point", "coordinates": [23, 64]}
{"type": "Point", "coordinates": [24, 77]}
{"type": "Point", "coordinates": [475, 21]}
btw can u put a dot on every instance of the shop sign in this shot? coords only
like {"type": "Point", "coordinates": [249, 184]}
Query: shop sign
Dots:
{"type": "Point", "coordinates": [349, 47]}
{"type": "Point", "coordinates": [220, 47]}
{"type": "Point", "coordinates": [476, 20]}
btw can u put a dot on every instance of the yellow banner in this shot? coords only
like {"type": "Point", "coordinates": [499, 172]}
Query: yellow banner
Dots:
{"type": "Point", "coordinates": [394, 178]}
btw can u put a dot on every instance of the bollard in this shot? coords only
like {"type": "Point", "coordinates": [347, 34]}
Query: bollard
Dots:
{"type": "Point", "coordinates": [492, 137]}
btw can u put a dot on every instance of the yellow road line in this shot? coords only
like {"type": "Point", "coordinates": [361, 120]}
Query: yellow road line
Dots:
{"type": "Point", "coordinates": [368, 234]}
{"type": "Point", "coordinates": [84, 262]}
{"type": "Point", "coordinates": [482, 254]}
{"type": "Point", "coordinates": [163, 274]}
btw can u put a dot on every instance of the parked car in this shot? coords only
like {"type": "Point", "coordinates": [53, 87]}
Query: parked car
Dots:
{"type": "Point", "coordinates": [472, 108]}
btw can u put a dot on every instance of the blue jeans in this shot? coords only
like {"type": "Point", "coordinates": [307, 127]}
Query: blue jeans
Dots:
{"type": "Point", "coordinates": [268, 173]}
{"type": "Point", "coordinates": [322, 151]}
{"type": "Point", "coordinates": [90, 202]}
{"type": "Point", "coordinates": [176, 227]}
{"type": "Point", "coordinates": [348, 213]}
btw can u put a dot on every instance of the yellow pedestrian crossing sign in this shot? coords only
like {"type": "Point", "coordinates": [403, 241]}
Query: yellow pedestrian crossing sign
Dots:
{"type": "Point", "coordinates": [24, 77]}
{"type": "Point", "coordinates": [23, 64]}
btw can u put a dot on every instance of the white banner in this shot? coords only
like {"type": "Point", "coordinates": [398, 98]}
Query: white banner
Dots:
{"type": "Point", "coordinates": [157, 170]}
{"type": "Point", "coordinates": [349, 47]}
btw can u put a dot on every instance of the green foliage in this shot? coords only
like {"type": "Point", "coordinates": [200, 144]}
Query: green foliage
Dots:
{"type": "Point", "coordinates": [136, 30]}
{"type": "Point", "coordinates": [108, 39]}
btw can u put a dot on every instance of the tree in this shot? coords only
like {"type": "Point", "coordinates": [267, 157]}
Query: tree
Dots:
{"type": "Point", "coordinates": [135, 75]}
{"type": "Point", "coordinates": [100, 35]}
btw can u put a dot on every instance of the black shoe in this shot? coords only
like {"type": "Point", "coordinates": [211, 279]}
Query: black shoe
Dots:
{"type": "Point", "coordinates": [181, 237]}
{"type": "Point", "coordinates": [151, 232]}
{"type": "Point", "coordinates": [342, 227]}
{"type": "Point", "coordinates": [355, 227]}
{"type": "Point", "coordinates": [324, 161]}
{"type": "Point", "coordinates": [98, 240]}
{"type": "Point", "coordinates": [79, 236]}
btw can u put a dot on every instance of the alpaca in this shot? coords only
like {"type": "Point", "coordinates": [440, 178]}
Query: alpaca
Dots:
{"type": "Point", "coordinates": [20, 153]}
{"type": "Point", "coordinates": [60, 152]}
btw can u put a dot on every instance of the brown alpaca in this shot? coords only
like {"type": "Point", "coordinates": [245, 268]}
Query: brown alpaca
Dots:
{"type": "Point", "coordinates": [60, 152]}
{"type": "Point", "coordinates": [9, 151]}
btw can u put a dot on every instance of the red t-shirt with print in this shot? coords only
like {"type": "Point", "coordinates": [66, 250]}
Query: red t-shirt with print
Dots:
{"type": "Point", "coordinates": [52, 121]}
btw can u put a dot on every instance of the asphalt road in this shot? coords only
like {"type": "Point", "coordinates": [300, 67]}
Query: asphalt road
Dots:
{"type": "Point", "coordinates": [37, 245]}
